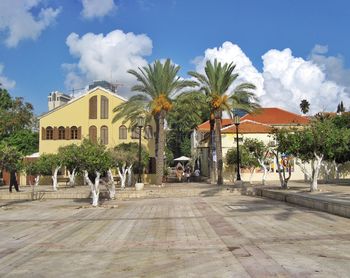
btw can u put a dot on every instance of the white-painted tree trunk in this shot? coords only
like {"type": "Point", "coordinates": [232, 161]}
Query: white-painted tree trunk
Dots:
{"type": "Point", "coordinates": [36, 180]}
{"type": "Point", "coordinates": [282, 171]}
{"type": "Point", "coordinates": [128, 171]}
{"type": "Point", "coordinates": [251, 175]}
{"type": "Point", "coordinates": [71, 177]}
{"type": "Point", "coordinates": [54, 178]}
{"type": "Point", "coordinates": [327, 166]}
{"type": "Point", "coordinates": [304, 170]}
{"type": "Point", "coordinates": [36, 183]}
{"type": "Point", "coordinates": [336, 170]}
{"type": "Point", "coordinates": [262, 164]}
{"type": "Point", "coordinates": [122, 175]}
{"type": "Point", "coordinates": [316, 166]}
{"type": "Point", "coordinates": [111, 190]}
{"type": "Point", "coordinates": [95, 191]}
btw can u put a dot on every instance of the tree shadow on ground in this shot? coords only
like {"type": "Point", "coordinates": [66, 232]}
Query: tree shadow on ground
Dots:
{"type": "Point", "coordinates": [258, 204]}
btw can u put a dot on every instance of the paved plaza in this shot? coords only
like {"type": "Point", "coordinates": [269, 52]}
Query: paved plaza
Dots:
{"type": "Point", "coordinates": [226, 236]}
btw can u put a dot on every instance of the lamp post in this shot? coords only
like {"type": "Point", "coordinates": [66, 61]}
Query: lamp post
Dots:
{"type": "Point", "coordinates": [140, 123]}
{"type": "Point", "coordinates": [237, 122]}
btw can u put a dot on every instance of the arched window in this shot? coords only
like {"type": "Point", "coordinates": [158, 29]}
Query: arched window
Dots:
{"type": "Point", "coordinates": [73, 132]}
{"type": "Point", "coordinates": [123, 132]}
{"type": "Point", "coordinates": [135, 132]}
{"type": "Point", "coordinates": [104, 107]}
{"type": "Point", "coordinates": [104, 135]}
{"type": "Point", "coordinates": [61, 133]}
{"type": "Point", "coordinates": [93, 133]}
{"type": "Point", "coordinates": [49, 133]}
{"type": "Point", "coordinates": [148, 132]}
{"type": "Point", "coordinates": [93, 107]}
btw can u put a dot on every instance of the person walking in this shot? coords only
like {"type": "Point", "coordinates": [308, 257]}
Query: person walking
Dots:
{"type": "Point", "coordinates": [13, 181]}
{"type": "Point", "coordinates": [188, 173]}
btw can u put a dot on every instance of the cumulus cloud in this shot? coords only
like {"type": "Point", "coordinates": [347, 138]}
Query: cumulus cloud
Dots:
{"type": "Point", "coordinates": [4, 81]}
{"type": "Point", "coordinates": [106, 57]}
{"type": "Point", "coordinates": [285, 80]}
{"type": "Point", "coordinates": [228, 53]}
{"type": "Point", "coordinates": [97, 8]}
{"type": "Point", "coordinates": [289, 79]}
{"type": "Point", "coordinates": [18, 21]}
{"type": "Point", "coordinates": [332, 66]}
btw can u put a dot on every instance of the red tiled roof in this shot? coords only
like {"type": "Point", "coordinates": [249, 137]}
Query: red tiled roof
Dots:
{"type": "Point", "coordinates": [206, 127]}
{"type": "Point", "coordinates": [276, 116]}
{"type": "Point", "coordinates": [247, 126]}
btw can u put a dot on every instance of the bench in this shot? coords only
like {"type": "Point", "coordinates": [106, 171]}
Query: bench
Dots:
{"type": "Point", "coordinates": [63, 179]}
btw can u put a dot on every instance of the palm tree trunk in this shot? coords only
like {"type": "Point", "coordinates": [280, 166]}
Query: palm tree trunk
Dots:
{"type": "Point", "coordinates": [160, 150]}
{"type": "Point", "coordinates": [211, 164]}
{"type": "Point", "coordinates": [218, 146]}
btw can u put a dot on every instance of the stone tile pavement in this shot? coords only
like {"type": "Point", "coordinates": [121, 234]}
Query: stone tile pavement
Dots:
{"type": "Point", "coordinates": [226, 236]}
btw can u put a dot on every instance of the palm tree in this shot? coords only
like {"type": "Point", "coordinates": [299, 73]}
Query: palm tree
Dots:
{"type": "Point", "coordinates": [304, 106]}
{"type": "Point", "coordinates": [157, 84]}
{"type": "Point", "coordinates": [216, 84]}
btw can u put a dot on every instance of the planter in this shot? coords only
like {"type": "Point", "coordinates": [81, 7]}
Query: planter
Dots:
{"type": "Point", "coordinates": [139, 186]}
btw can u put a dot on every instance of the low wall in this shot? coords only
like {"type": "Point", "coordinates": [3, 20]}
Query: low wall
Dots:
{"type": "Point", "coordinates": [313, 202]}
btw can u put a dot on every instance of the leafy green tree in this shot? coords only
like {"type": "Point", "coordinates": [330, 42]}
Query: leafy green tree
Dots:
{"type": "Point", "coordinates": [259, 152]}
{"type": "Point", "coordinates": [320, 140]}
{"type": "Point", "coordinates": [217, 84]}
{"type": "Point", "coordinates": [71, 159]}
{"type": "Point", "coordinates": [340, 107]}
{"type": "Point", "coordinates": [25, 141]}
{"type": "Point", "coordinates": [246, 159]}
{"type": "Point", "coordinates": [125, 156]}
{"type": "Point", "coordinates": [189, 110]}
{"type": "Point", "coordinates": [9, 158]}
{"type": "Point", "coordinates": [304, 106]}
{"type": "Point", "coordinates": [50, 164]}
{"type": "Point", "coordinates": [157, 83]}
{"type": "Point", "coordinates": [95, 161]}
{"type": "Point", "coordinates": [15, 114]}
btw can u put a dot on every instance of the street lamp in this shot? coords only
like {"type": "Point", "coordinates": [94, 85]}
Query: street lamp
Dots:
{"type": "Point", "coordinates": [140, 123]}
{"type": "Point", "coordinates": [237, 122]}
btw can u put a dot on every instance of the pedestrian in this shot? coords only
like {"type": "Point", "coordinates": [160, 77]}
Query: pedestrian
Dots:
{"type": "Point", "coordinates": [13, 181]}
{"type": "Point", "coordinates": [179, 171]}
{"type": "Point", "coordinates": [188, 173]}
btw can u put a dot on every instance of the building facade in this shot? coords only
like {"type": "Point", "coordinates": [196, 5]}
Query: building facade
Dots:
{"type": "Point", "coordinates": [258, 125]}
{"type": "Point", "coordinates": [91, 116]}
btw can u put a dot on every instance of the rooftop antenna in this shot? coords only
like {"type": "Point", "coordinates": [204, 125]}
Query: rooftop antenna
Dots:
{"type": "Point", "coordinates": [74, 90]}
{"type": "Point", "coordinates": [116, 85]}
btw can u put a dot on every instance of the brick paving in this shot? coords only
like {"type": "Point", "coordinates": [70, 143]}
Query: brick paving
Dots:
{"type": "Point", "coordinates": [226, 236]}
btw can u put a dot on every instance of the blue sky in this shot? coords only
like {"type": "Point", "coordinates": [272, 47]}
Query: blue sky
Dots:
{"type": "Point", "coordinates": [290, 49]}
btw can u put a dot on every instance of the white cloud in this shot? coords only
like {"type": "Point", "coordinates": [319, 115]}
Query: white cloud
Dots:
{"type": "Point", "coordinates": [228, 53]}
{"type": "Point", "coordinates": [106, 57]}
{"type": "Point", "coordinates": [289, 79]}
{"type": "Point", "coordinates": [333, 66]}
{"type": "Point", "coordinates": [285, 80]}
{"type": "Point", "coordinates": [19, 23]}
{"type": "Point", "coordinates": [4, 81]}
{"type": "Point", "coordinates": [97, 8]}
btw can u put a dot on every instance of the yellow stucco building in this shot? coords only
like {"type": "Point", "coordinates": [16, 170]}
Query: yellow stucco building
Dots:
{"type": "Point", "coordinates": [90, 116]}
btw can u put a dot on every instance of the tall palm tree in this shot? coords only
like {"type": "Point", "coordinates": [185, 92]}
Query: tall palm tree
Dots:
{"type": "Point", "coordinates": [304, 106]}
{"type": "Point", "coordinates": [157, 84]}
{"type": "Point", "coordinates": [216, 84]}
